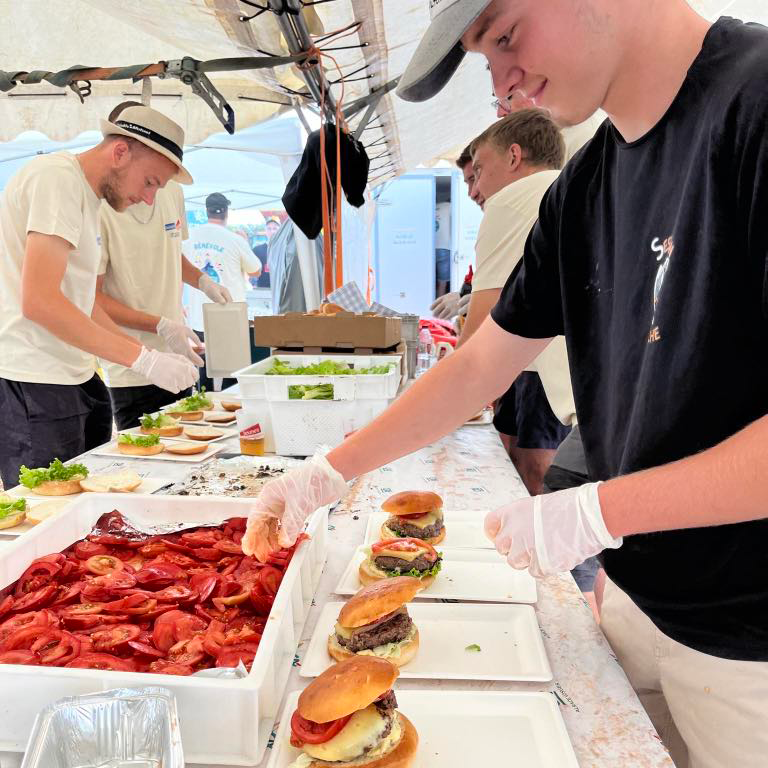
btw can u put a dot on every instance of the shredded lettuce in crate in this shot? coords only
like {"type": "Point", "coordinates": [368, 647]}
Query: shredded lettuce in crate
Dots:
{"type": "Point", "coordinates": [143, 441]}
{"type": "Point", "coordinates": [156, 422]}
{"type": "Point", "coordinates": [56, 470]}
{"type": "Point", "coordinates": [9, 506]}
{"type": "Point", "coordinates": [310, 392]}
{"type": "Point", "coordinates": [324, 368]}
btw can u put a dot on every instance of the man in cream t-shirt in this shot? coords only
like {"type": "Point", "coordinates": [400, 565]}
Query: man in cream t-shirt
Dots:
{"type": "Point", "coordinates": [139, 286]}
{"type": "Point", "coordinates": [52, 403]}
{"type": "Point", "coordinates": [224, 257]}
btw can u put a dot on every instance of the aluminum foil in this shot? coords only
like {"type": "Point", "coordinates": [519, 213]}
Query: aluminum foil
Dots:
{"type": "Point", "coordinates": [121, 728]}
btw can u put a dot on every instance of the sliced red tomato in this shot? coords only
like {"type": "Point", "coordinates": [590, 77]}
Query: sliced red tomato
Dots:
{"type": "Point", "coordinates": [206, 538]}
{"type": "Point", "coordinates": [228, 546]}
{"type": "Point", "coordinates": [19, 657]}
{"type": "Point", "coordinates": [134, 605]}
{"type": "Point", "coordinates": [37, 619]}
{"type": "Point", "coordinates": [177, 546]}
{"type": "Point", "coordinates": [163, 667]}
{"type": "Point", "coordinates": [114, 637]}
{"type": "Point", "coordinates": [214, 637]}
{"type": "Point", "coordinates": [32, 601]}
{"type": "Point", "coordinates": [86, 625]}
{"type": "Point", "coordinates": [270, 579]}
{"type": "Point", "coordinates": [204, 584]}
{"type": "Point", "coordinates": [261, 603]}
{"type": "Point", "coordinates": [209, 614]}
{"type": "Point", "coordinates": [176, 593]}
{"type": "Point", "coordinates": [187, 651]}
{"type": "Point", "coordinates": [153, 548]}
{"type": "Point", "coordinates": [236, 523]}
{"type": "Point", "coordinates": [6, 604]}
{"type": "Point", "coordinates": [102, 661]}
{"type": "Point", "coordinates": [145, 649]}
{"type": "Point", "coordinates": [21, 639]}
{"type": "Point", "coordinates": [310, 732]}
{"type": "Point", "coordinates": [55, 647]}
{"type": "Point", "coordinates": [187, 625]}
{"type": "Point", "coordinates": [67, 593]}
{"type": "Point", "coordinates": [163, 635]}
{"type": "Point", "coordinates": [38, 575]}
{"type": "Point", "coordinates": [85, 549]}
{"type": "Point", "coordinates": [231, 656]}
{"type": "Point", "coordinates": [81, 609]}
{"type": "Point", "coordinates": [409, 545]}
{"type": "Point", "coordinates": [104, 564]}
{"type": "Point", "coordinates": [159, 611]}
{"type": "Point", "coordinates": [229, 565]}
{"type": "Point", "coordinates": [159, 575]}
{"type": "Point", "coordinates": [414, 516]}
{"type": "Point", "coordinates": [177, 558]}
{"type": "Point", "coordinates": [230, 593]}
{"type": "Point", "coordinates": [207, 553]}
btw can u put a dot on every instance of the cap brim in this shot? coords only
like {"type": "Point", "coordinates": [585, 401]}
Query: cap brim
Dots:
{"type": "Point", "coordinates": [440, 52]}
{"type": "Point", "coordinates": [183, 176]}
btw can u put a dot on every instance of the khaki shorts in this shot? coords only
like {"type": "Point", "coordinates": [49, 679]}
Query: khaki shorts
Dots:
{"type": "Point", "coordinates": [709, 712]}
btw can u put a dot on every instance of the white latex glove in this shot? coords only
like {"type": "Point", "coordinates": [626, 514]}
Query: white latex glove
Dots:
{"type": "Point", "coordinates": [463, 306]}
{"type": "Point", "coordinates": [278, 514]}
{"type": "Point", "coordinates": [444, 307]}
{"type": "Point", "coordinates": [180, 339]}
{"type": "Point", "coordinates": [213, 290]}
{"type": "Point", "coordinates": [165, 369]}
{"type": "Point", "coordinates": [551, 533]}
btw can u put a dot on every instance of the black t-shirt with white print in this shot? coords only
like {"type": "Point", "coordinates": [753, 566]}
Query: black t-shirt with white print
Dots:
{"type": "Point", "coordinates": [651, 257]}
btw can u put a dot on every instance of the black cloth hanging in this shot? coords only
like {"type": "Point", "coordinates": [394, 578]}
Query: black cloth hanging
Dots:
{"type": "Point", "coordinates": [303, 197]}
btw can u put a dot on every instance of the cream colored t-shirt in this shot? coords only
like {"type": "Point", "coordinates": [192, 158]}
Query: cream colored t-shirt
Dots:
{"type": "Point", "coordinates": [509, 217]}
{"type": "Point", "coordinates": [51, 196]}
{"type": "Point", "coordinates": [141, 264]}
{"type": "Point", "coordinates": [226, 258]}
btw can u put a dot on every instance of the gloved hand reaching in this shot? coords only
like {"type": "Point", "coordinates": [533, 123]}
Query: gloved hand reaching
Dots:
{"type": "Point", "coordinates": [165, 369]}
{"type": "Point", "coordinates": [551, 533]}
{"type": "Point", "coordinates": [284, 504]}
{"type": "Point", "coordinates": [444, 307]}
{"type": "Point", "coordinates": [213, 290]}
{"type": "Point", "coordinates": [180, 339]}
{"type": "Point", "coordinates": [463, 306]}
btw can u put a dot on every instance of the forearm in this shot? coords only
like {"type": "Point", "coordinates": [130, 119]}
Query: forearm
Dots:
{"type": "Point", "coordinates": [480, 305]}
{"type": "Point", "coordinates": [122, 314]}
{"type": "Point", "coordinates": [100, 316]}
{"type": "Point", "coordinates": [65, 321]}
{"type": "Point", "coordinates": [190, 274]}
{"type": "Point", "coordinates": [440, 401]}
{"type": "Point", "coordinates": [725, 484]}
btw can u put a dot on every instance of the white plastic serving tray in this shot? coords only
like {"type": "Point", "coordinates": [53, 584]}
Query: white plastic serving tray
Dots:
{"type": "Point", "coordinates": [110, 449]}
{"type": "Point", "coordinates": [463, 729]}
{"type": "Point", "coordinates": [223, 722]}
{"type": "Point", "coordinates": [480, 575]}
{"type": "Point", "coordinates": [456, 642]}
{"type": "Point", "coordinates": [225, 432]}
{"type": "Point", "coordinates": [463, 530]}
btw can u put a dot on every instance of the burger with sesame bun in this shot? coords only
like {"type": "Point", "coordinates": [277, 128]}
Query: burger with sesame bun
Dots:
{"type": "Point", "coordinates": [375, 622]}
{"type": "Point", "coordinates": [414, 514]}
{"type": "Point", "coordinates": [348, 718]}
{"type": "Point", "coordinates": [410, 557]}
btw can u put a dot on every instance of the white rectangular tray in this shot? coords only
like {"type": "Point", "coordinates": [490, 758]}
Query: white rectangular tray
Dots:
{"type": "Point", "coordinates": [480, 575]}
{"type": "Point", "coordinates": [148, 485]}
{"type": "Point", "coordinates": [225, 432]}
{"type": "Point", "coordinates": [459, 729]}
{"type": "Point", "coordinates": [511, 646]}
{"type": "Point", "coordinates": [223, 722]}
{"type": "Point", "coordinates": [463, 530]}
{"type": "Point", "coordinates": [110, 449]}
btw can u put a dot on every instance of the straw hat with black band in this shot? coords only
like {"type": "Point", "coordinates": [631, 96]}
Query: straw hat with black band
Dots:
{"type": "Point", "coordinates": [440, 51]}
{"type": "Point", "coordinates": [154, 130]}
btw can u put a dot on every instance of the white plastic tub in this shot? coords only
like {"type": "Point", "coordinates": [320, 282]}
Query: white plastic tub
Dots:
{"type": "Point", "coordinates": [225, 722]}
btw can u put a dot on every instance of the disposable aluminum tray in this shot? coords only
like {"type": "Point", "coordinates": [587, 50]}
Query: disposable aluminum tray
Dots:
{"type": "Point", "coordinates": [223, 721]}
{"type": "Point", "coordinates": [123, 728]}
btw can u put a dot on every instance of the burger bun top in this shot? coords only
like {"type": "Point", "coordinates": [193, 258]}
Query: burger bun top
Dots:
{"type": "Point", "coordinates": [412, 503]}
{"type": "Point", "coordinates": [377, 600]}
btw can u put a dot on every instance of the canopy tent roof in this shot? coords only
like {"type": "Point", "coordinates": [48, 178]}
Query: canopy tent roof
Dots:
{"type": "Point", "coordinates": [51, 35]}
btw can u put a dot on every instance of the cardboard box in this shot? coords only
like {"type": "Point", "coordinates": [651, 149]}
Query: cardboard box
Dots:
{"type": "Point", "coordinates": [344, 330]}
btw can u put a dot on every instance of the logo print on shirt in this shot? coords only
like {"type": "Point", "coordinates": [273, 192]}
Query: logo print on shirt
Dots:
{"type": "Point", "coordinates": [663, 251]}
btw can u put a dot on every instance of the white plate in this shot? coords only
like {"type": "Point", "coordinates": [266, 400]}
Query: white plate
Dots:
{"type": "Point", "coordinates": [469, 728]}
{"type": "Point", "coordinates": [480, 575]}
{"type": "Point", "coordinates": [511, 647]}
{"type": "Point", "coordinates": [148, 485]}
{"type": "Point", "coordinates": [205, 423]}
{"type": "Point", "coordinates": [463, 530]}
{"type": "Point", "coordinates": [225, 433]}
{"type": "Point", "coordinates": [110, 449]}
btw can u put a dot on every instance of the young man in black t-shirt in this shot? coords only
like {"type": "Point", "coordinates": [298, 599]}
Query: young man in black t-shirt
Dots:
{"type": "Point", "coordinates": [650, 255]}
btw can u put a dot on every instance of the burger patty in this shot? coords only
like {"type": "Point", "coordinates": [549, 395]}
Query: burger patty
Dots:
{"type": "Point", "coordinates": [388, 704]}
{"type": "Point", "coordinates": [392, 631]}
{"type": "Point", "coordinates": [387, 563]}
{"type": "Point", "coordinates": [404, 528]}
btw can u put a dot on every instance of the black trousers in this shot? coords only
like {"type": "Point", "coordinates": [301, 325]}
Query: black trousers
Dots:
{"type": "Point", "coordinates": [129, 404]}
{"type": "Point", "coordinates": [42, 422]}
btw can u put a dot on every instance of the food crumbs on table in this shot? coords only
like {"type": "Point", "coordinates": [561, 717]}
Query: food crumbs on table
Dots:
{"type": "Point", "coordinates": [474, 648]}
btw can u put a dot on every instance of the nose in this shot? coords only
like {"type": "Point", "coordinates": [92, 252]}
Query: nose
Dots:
{"type": "Point", "coordinates": [505, 79]}
{"type": "Point", "coordinates": [148, 196]}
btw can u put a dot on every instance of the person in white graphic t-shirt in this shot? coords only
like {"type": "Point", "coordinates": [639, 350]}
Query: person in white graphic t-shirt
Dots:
{"type": "Point", "coordinates": [225, 258]}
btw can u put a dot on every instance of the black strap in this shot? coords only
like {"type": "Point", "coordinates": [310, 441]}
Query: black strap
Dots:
{"type": "Point", "coordinates": [148, 133]}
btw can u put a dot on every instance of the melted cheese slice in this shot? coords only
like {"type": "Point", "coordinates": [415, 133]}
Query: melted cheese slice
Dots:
{"type": "Point", "coordinates": [424, 522]}
{"type": "Point", "coordinates": [407, 556]}
{"type": "Point", "coordinates": [364, 728]}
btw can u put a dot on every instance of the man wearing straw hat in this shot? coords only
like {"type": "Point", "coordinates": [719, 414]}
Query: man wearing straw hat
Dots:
{"type": "Point", "coordinates": [52, 403]}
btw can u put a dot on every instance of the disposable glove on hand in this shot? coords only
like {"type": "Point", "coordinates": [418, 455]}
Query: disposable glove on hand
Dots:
{"type": "Point", "coordinates": [180, 339]}
{"type": "Point", "coordinates": [463, 305]}
{"type": "Point", "coordinates": [551, 533]}
{"type": "Point", "coordinates": [444, 307]}
{"type": "Point", "coordinates": [213, 290]}
{"type": "Point", "coordinates": [165, 369]}
{"type": "Point", "coordinates": [290, 500]}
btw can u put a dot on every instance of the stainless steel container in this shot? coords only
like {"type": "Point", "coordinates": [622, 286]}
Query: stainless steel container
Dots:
{"type": "Point", "coordinates": [121, 728]}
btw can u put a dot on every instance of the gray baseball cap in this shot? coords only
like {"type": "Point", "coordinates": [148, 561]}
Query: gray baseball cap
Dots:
{"type": "Point", "coordinates": [440, 51]}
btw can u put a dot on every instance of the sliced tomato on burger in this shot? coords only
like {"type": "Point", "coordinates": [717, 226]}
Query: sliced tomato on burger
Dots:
{"type": "Point", "coordinates": [409, 545]}
{"type": "Point", "coordinates": [105, 661]}
{"type": "Point", "coordinates": [305, 731]}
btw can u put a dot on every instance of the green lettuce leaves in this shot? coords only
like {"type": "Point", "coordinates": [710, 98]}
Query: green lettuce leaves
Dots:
{"type": "Point", "coordinates": [325, 368]}
{"type": "Point", "coordinates": [9, 506]}
{"type": "Point", "coordinates": [157, 422]}
{"type": "Point", "coordinates": [57, 470]}
{"type": "Point", "coordinates": [143, 441]}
